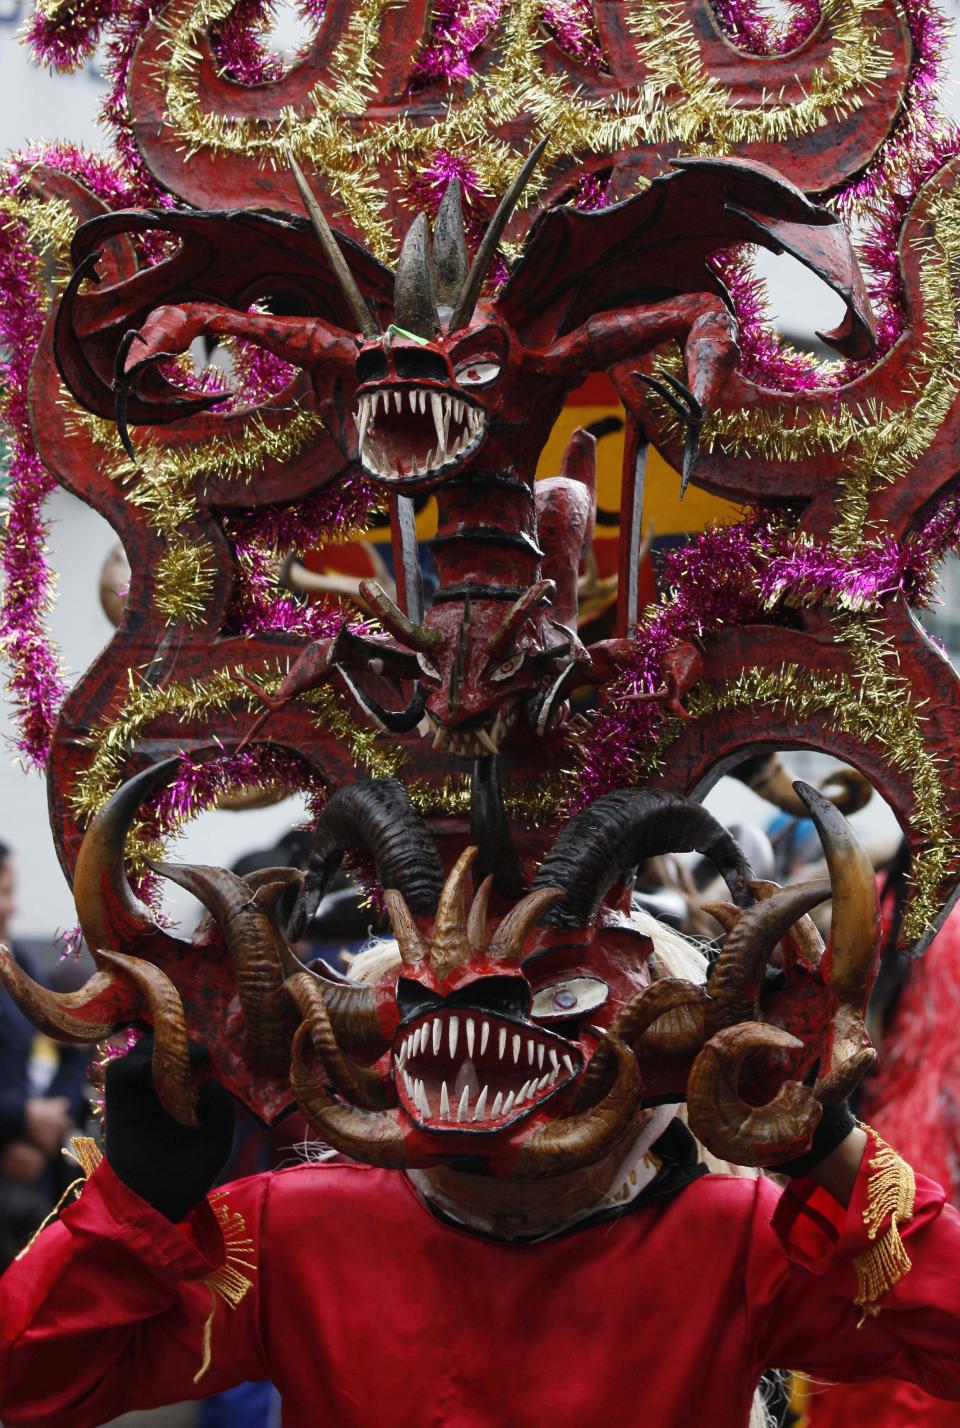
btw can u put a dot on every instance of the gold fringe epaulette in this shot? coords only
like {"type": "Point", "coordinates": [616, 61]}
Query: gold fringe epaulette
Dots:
{"type": "Point", "coordinates": [229, 1282]}
{"type": "Point", "coordinates": [891, 1190]}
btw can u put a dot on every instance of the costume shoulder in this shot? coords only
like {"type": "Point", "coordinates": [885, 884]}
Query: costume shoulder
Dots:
{"type": "Point", "coordinates": [658, 244]}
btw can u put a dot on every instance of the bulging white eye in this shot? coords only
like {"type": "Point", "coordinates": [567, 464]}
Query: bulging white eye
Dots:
{"type": "Point", "coordinates": [426, 667]}
{"type": "Point", "coordinates": [477, 374]}
{"type": "Point", "coordinates": [508, 667]}
{"type": "Point", "coordinates": [571, 997]}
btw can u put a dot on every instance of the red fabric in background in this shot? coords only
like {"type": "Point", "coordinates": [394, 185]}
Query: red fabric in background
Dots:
{"type": "Point", "coordinates": [914, 1103]}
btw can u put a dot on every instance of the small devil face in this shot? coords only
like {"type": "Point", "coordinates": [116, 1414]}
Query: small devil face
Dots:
{"type": "Point", "coordinates": [494, 670]}
{"type": "Point", "coordinates": [424, 408]}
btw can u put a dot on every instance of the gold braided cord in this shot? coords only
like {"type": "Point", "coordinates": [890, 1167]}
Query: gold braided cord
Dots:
{"type": "Point", "coordinates": [891, 1193]}
{"type": "Point", "coordinates": [678, 102]}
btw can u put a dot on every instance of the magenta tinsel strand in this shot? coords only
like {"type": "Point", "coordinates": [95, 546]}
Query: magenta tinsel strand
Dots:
{"type": "Point", "coordinates": [573, 26]}
{"type": "Point", "coordinates": [459, 28]}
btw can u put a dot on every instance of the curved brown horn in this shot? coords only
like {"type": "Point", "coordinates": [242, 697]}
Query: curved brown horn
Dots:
{"type": "Point", "coordinates": [803, 939]}
{"type": "Point", "coordinates": [412, 947]}
{"type": "Point", "coordinates": [578, 1140]}
{"type": "Point", "coordinates": [636, 1019]}
{"type": "Point", "coordinates": [506, 945]}
{"type": "Point", "coordinates": [331, 248]}
{"type": "Point", "coordinates": [501, 642]}
{"type": "Point", "coordinates": [855, 926]}
{"type": "Point", "coordinates": [172, 1080]}
{"type": "Point", "coordinates": [372, 1137]}
{"type": "Point", "coordinates": [854, 791]}
{"type": "Point", "coordinates": [107, 910]}
{"type": "Point", "coordinates": [477, 920]}
{"type": "Point", "coordinates": [353, 1083]}
{"type": "Point", "coordinates": [396, 623]}
{"type": "Point", "coordinates": [737, 976]}
{"type": "Point", "coordinates": [378, 816]}
{"type": "Point", "coordinates": [449, 948]}
{"type": "Point", "coordinates": [414, 299]}
{"type": "Point", "coordinates": [451, 262]}
{"type": "Point", "coordinates": [246, 919]}
{"type": "Point", "coordinates": [724, 1122]}
{"type": "Point", "coordinates": [69, 1016]}
{"type": "Point", "coordinates": [488, 246]}
{"type": "Point", "coordinates": [726, 913]}
{"type": "Point", "coordinates": [623, 828]}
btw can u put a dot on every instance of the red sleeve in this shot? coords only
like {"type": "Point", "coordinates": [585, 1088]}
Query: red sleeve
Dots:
{"type": "Point", "coordinates": [113, 1308]}
{"type": "Point", "coordinates": [827, 1297]}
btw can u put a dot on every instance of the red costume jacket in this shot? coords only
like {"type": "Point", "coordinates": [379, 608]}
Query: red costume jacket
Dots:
{"type": "Point", "coordinates": [367, 1311]}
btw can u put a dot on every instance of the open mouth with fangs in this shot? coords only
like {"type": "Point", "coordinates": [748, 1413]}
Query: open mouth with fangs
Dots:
{"type": "Point", "coordinates": [408, 431]}
{"type": "Point", "coordinates": [470, 1071]}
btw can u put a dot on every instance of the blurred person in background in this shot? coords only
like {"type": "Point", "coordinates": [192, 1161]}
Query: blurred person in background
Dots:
{"type": "Point", "coordinates": [43, 1097]}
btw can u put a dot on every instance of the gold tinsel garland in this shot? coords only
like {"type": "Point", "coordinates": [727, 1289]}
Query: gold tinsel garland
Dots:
{"type": "Point", "coordinates": [677, 103]}
{"type": "Point", "coordinates": [874, 708]}
{"type": "Point", "coordinates": [195, 702]}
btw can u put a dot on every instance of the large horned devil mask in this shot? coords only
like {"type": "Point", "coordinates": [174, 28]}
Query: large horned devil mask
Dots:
{"type": "Point", "coordinates": [524, 1045]}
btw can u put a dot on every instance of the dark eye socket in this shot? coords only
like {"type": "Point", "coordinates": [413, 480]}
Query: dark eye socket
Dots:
{"type": "Point", "coordinates": [413, 999]}
{"type": "Point", "coordinates": [415, 363]}
{"type": "Point", "coordinates": [371, 366]}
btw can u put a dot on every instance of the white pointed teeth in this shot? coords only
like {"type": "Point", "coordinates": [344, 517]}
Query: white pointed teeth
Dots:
{"type": "Point", "coordinates": [476, 1071]}
{"type": "Point", "coordinates": [395, 443]}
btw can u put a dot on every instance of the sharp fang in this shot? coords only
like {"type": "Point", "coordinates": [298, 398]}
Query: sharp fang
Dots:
{"type": "Point", "coordinates": [397, 401]}
{"type": "Point", "coordinates": [554, 1060]}
{"type": "Point", "coordinates": [543, 1081]}
{"type": "Point", "coordinates": [471, 1034]}
{"type": "Point", "coordinates": [484, 1036]}
{"type": "Point", "coordinates": [446, 422]}
{"type": "Point", "coordinates": [363, 417]}
{"type": "Point", "coordinates": [569, 1065]}
{"type": "Point", "coordinates": [508, 1104]}
{"type": "Point", "coordinates": [425, 1101]}
{"type": "Point", "coordinates": [497, 1103]}
{"type": "Point", "coordinates": [464, 1104]}
{"type": "Point", "coordinates": [540, 1051]}
{"type": "Point", "coordinates": [458, 409]}
{"type": "Point", "coordinates": [486, 741]}
{"type": "Point", "coordinates": [440, 737]}
{"type": "Point", "coordinates": [554, 1074]}
{"type": "Point", "coordinates": [413, 400]}
{"type": "Point", "coordinates": [522, 1093]}
{"type": "Point", "coordinates": [515, 1043]}
{"type": "Point", "coordinates": [422, 399]}
{"type": "Point", "coordinates": [444, 1102]}
{"type": "Point", "coordinates": [503, 1042]}
{"type": "Point", "coordinates": [437, 1033]}
{"type": "Point", "coordinates": [481, 1105]}
{"type": "Point", "coordinates": [530, 1052]}
{"type": "Point", "coordinates": [454, 1035]}
{"type": "Point", "coordinates": [436, 407]}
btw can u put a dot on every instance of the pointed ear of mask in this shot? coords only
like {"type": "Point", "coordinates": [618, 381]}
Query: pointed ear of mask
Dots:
{"type": "Point", "coordinates": [415, 301]}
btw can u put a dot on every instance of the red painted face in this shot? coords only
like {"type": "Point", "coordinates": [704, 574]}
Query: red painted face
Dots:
{"type": "Point", "coordinates": [423, 408]}
{"type": "Point", "coordinates": [490, 1052]}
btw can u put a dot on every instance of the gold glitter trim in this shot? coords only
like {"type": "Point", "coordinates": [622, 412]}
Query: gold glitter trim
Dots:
{"type": "Point", "coordinates": [185, 577]}
{"type": "Point", "coordinates": [891, 1191]}
{"type": "Point", "coordinates": [219, 694]}
{"type": "Point", "coordinates": [875, 707]}
{"type": "Point", "coordinates": [679, 102]}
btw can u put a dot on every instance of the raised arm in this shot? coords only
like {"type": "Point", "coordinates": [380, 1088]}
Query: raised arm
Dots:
{"type": "Point", "coordinates": [145, 1291]}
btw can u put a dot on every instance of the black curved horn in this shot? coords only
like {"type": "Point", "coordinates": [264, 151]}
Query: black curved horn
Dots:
{"type": "Point", "coordinates": [414, 298]}
{"type": "Point", "coordinates": [622, 829]}
{"type": "Point", "coordinates": [375, 815]}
